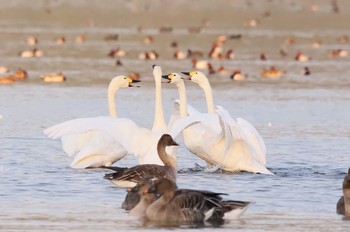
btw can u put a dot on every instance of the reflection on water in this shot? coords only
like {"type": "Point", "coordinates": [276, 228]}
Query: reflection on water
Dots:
{"type": "Point", "coordinates": [303, 119]}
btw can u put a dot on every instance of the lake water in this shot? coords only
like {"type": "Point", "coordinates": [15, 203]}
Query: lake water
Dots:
{"type": "Point", "coordinates": [304, 120]}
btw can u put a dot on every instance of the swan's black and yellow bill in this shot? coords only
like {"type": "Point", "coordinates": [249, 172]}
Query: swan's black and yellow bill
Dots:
{"type": "Point", "coordinates": [132, 81]}
{"type": "Point", "coordinates": [168, 77]}
{"type": "Point", "coordinates": [187, 74]}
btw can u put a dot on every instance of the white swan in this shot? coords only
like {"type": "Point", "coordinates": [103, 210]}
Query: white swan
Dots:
{"type": "Point", "coordinates": [219, 139]}
{"type": "Point", "coordinates": [141, 142]}
{"type": "Point", "coordinates": [145, 140]}
{"type": "Point", "coordinates": [195, 134]}
{"type": "Point", "coordinates": [94, 148]}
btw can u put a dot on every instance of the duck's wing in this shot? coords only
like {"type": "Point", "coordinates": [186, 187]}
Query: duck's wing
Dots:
{"type": "Point", "coordinates": [137, 173]}
{"type": "Point", "coordinates": [234, 209]}
{"type": "Point", "coordinates": [208, 194]}
{"type": "Point", "coordinates": [190, 204]}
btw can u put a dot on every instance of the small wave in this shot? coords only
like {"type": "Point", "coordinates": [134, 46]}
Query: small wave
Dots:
{"type": "Point", "coordinates": [207, 169]}
{"type": "Point", "coordinates": [196, 168]}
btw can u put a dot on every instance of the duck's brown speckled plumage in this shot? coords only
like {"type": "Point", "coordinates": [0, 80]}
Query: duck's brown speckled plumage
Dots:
{"type": "Point", "coordinates": [132, 176]}
{"type": "Point", "coordinates": [187, 205]}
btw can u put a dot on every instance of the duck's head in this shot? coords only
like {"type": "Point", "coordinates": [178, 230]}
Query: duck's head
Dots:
{"type": "Point", "coordinates": [173, 78]}
{"type": "Point", "coordinates": [142, 186]}
{"type": "Point", "coordinates": [346, 183]}
{"type": "Point", "coordinates": [162, 186]}
{"type": "Point", "coordinates": [167, 140]}
{"type": "Point", "coordinates": [195, 76]}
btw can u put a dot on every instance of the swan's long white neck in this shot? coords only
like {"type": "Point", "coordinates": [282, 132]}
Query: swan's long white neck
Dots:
{"type": "Point", "coordinates": [159, 122]}
{"type": "Point", "coordinates": [208, 95]}
{"type": "Point", "coordinates": [183, 99]}
{"type": "Point", "coordinates": [112, 90]}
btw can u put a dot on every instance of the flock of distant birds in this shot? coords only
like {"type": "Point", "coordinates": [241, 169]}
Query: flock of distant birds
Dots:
{"type": "Point", "coordinates": [223, 142]}
{"type": "Point", "coordinates": [200, 60]}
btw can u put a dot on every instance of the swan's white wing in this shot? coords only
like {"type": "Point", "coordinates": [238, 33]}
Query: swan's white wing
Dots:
{"type": "Point", "coordinates": [116, 127]}
{"type": "Point", "coordinates": [248, 150]}
{"type": "Point", "coordinates": [100, 150]}
{"type": "Point", "coordinates": [143, 144]}
{"type": "Point", "coordinates": [99, 141]}
{"type": "Point", "coordinates": [235, 130]}
{"type": "Point", "coordinates": [254, 139]}
{"type": "Point", "coordinates": [226, 129]}
{"type": "Point", "coordinates": [74, 126]}
{"type": "Point", "coordinates": [72, 144]}
{"type": "Point", "coordinates": [234, 138]}
{"type": "Point", "coordinates": [192, 110]}
{"type": "Point", "coordinates": [183, 122]}
{"type": "Point", "coordinates": [176, 112]}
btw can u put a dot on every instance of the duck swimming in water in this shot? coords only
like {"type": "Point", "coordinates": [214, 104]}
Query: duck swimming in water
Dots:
{"type": "Point", "coordinates": [130, 177]}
